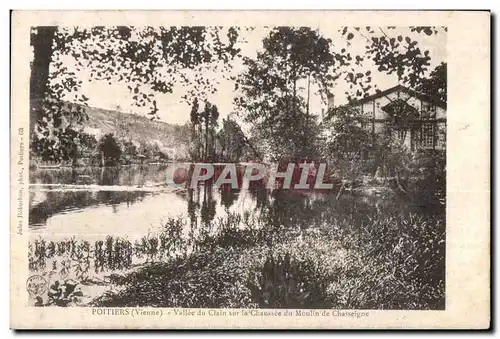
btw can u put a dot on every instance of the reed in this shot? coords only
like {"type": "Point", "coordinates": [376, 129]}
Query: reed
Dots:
{"type": "Point", "coordinates": [393, 261]}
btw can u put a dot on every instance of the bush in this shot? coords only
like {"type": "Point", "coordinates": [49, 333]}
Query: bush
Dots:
{"type": "Point", "coordinates": [353, 262]}
{"type": "Point", "coordinates": [288, 283]}
{"type": "Point", "coordinates": [206, 279]}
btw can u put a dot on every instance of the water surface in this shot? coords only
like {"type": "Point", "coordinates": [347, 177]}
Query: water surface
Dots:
{"type": "Point", "coordinates": [131, 201]}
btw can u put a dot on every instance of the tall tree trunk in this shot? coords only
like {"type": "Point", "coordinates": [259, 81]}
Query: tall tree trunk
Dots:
{"type": "Point", "coordinates": [306, 125]}
{"type": "Point", "coordinates": [287, 103]}
{"type": "Point", "coordinates": [74, 160]}
{"type": "Point", "coordinates": [199, 143]}
{"type": "Point", "coordinates": [214, 144]}
{"type": "Point", "coordinates": [206, 139]}
{"type": "Point", "coordinates": [254, 150]}
{"type": "Point", "coordinates": [41, 41]}
{"type": "Point", "coordinates": [193, 139]}
{"type": "Point", "coordinates": [294, 109]}
{"type": "Point", "coordinates": [226, 147]}
{"type": "Point", "coordinates": [308, 95]}
{"type": "Point", "coordinates": [294, 74]}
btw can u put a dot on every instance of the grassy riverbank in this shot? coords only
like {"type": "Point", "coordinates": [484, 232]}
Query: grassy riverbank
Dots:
{"type": "Point", "coordinates": [390, 264]}
{"type": "Point", "coordinates": [394, 262]}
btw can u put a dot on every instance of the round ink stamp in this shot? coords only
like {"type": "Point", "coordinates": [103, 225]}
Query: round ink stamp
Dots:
{"type": "Point", "coordinates": [36, 285]}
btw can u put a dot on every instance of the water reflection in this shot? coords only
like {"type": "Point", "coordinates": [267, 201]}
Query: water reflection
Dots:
{"type": "Point", "coordinates": [118, 212]}
{"type": "Point", "coordinates": [57, 202]}
{"type": "Point", "coordinates": [106, 176]}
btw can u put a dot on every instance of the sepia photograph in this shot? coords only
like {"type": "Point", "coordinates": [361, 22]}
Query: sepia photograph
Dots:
{"type": "Point", "coordinates": [112, 109]}
{"type": "Point", "coordinates": [185, 168]}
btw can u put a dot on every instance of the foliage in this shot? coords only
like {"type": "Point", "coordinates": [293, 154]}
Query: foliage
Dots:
{"type": "Point", "coordinates": [287, 283]}
{"type": "Point", "coordinates": [149, 60]}
{"type": "Point", "coordinates": [271, 100]}
{"type": "Point", "coordinates": [129, 149]}
{"type": "Point", "coordinates": [400, 263]}
{"type": "Point", "coordinates": [391, 54]}
{"type": "Point", "coordinates": [348, 143]}
{"type": "Point", "coordinates": [348, 132]}
{"type": "Point", "coordinates": [110, 149]}
{"type": "Point", "coordinates": [199, 280]}
{"type": "Point", "coordinates": [420, 173]}
{"type": "Point", "coordinates": [88, 141]}
{"type": "Point", "coordinates": [203, 134]}
{"type": "Point", "coordinates": [386, 259]}
{"type": "Point", "coordinates": [63, 293]}
{"type": "Point", "coordinates": [231, 140]}
{"type": "Point", "coordinates": [430, 187]}
{"type": "Point", "coordinates": [112, 253]}
{"type": "Point", "coordinates": [435, 85]}
{"type": "Point", "coordinates": [60, 146]}
{"type": "Point", "coordinates": [194, 123]}
{"type": "Point", "coordinates": [360, 258]}
{"type": "Point", "coordinates": [393, 262]}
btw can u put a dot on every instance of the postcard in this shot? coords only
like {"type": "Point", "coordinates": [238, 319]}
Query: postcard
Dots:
{"type": "Point", "coordinates": [250, 170]}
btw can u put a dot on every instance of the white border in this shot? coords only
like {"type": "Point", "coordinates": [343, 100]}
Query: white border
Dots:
{"type": "Point", "coordinates": [146, 4]}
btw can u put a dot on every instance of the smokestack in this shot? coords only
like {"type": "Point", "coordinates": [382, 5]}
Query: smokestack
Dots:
{"type": "Point", "coordinates": [330, 105]}
{"type": "Point", "coordinates": [331, 100]}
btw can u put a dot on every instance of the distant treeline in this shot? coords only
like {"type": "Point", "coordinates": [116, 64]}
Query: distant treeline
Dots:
{"type": "Point", "coordinates": [83, 149]}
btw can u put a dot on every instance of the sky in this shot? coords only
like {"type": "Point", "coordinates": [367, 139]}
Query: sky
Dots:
{"type": "Point", "coordinates": [172, 110]}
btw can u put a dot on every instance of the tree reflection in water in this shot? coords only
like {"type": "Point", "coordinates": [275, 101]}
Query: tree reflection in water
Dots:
{"type": "Point", "coordinates": [275, 208]}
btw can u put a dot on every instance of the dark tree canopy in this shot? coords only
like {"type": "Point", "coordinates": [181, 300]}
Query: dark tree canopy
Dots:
{"type": "Point", "coordinates": [436, 84]}
{"type": "Point", "coordinates": [149, 60]}
{"type": "Point", "coordinates": [272, 100]}
{"type": "Point", "coordinates": [389, 53]}
{"type": "Point", "coordinates": [110, 149]}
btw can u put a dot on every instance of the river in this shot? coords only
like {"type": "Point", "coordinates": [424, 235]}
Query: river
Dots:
{"type": "Point", "coordinates": [131, 201]}
{"type": "Point", "coordinates": [89, 224]}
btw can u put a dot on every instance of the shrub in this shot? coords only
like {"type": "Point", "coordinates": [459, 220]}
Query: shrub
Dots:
{"type": "Point", "coordinates": [392, 261]}
{"type": "Point", "coordinates": [287, 283]}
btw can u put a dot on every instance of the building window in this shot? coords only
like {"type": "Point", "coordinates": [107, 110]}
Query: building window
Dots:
{"type": "Point", "coordinates": [367, 126]}
{"type": "Point", "coordinates": [428, 110]}
{"type": "Point", "coordinates": [368, 109]}
{"type": "Point", "coordinates": [402, 134]}
{"type": "Point", "coordinates": [428, 133]}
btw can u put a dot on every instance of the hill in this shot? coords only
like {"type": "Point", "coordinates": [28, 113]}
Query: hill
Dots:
{"type": "Point", "coordinates": [172, 139]}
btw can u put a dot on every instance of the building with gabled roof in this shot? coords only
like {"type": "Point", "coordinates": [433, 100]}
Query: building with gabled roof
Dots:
{"type": "Point", "coordinates": [421, 118]}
